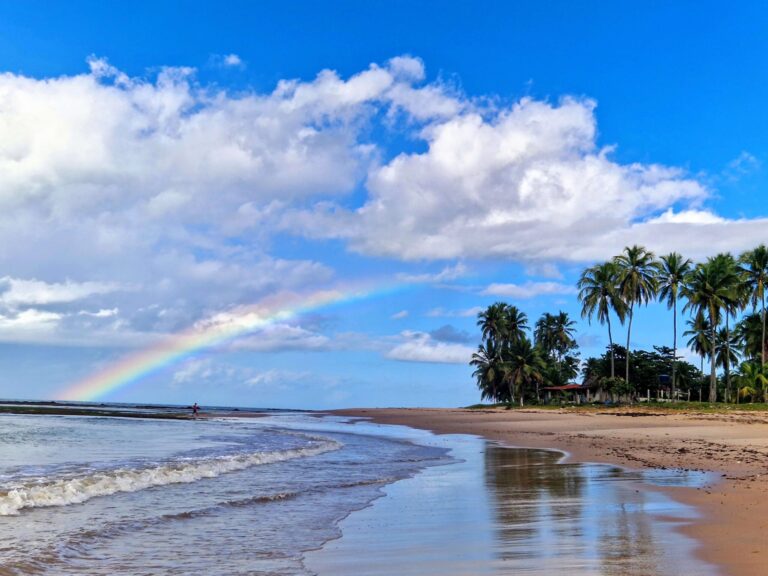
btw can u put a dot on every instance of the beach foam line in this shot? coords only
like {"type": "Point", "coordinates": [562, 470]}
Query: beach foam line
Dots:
{"type": "Point", "coordinates": [75, 490]}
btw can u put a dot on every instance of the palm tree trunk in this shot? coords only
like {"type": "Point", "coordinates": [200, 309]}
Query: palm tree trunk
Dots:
{"type": "Point", "coordinates": [762, 343]}
{"type": "Point", "coordinates": [629, 331]}
{"type": "Point", "coordinates": [674, 345]}
{"type": "Point", "coordinates": [727, 356]}
{"type": "Point", "coordinates": [712, 354]}
{"type": "Point", "coordinates": [610, 340]}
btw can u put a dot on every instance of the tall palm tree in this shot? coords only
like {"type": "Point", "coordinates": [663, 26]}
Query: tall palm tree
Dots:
{"type": "Point", "coordinates": [522, 367]}
{"type": "Point", "coordinates": [709, 289]}
{"type": "Point", "coordinates": [754, 266]}
{"type": "Point", "coordinates": [731, 308]}
{"type": "Point", "coordinates": [673, 271]}
{"type": "Point", "coordinates": [637, 283]}
{"type": "Point", "coordinates": [599, 295]}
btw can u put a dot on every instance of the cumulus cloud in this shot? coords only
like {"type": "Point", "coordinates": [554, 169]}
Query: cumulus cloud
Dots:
{"type": "Point", "coordinates": [526, 182]}
{"type": "Point", "coordinates": [400, 315]}
{"type": "Point", "coordinates": [421, 347]}
{"type": "Point", "coordinates": [528, 289]}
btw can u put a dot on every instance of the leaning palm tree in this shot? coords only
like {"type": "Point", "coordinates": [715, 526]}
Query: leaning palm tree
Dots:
{"type": "Point", "coordinates": [754, 266]}
{"type": "Point", "coordinates": [637, 283]}
{"type": "Point", "coordinates": [709, 289]}
{"type": "Point", "coordinates": [599, 296]}
{"type": "Point", "coordinates": [672, 273]}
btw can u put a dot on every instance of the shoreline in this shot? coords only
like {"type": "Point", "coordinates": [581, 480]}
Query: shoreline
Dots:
{"type": "Point", "coordinates": [733, 445]}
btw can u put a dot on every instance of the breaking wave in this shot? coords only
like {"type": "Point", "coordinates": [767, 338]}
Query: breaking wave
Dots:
{"type": "Point", "coordinates": [74, 490]}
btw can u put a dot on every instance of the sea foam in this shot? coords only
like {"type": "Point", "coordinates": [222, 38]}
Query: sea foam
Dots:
{"type": "Point", "coordinates": [74, 490]}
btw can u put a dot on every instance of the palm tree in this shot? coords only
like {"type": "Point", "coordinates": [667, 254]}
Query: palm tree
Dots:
{"type": "Point", "coordinates": [754, 266]}
{"type": "Point", "coordinates": [673, 271]}
{"type": "Point", "coordinates": [515, 324]}
{"type": "Point", "coordinates": [564, 330]}
{"type": "Point", "coordinates": [523, 366]}
{"type": "Point", "coordinates": [751, 379]}
{"type": "Point", "coordinates": [487, 372]}
{"type": "Point", "coordinates": [699, 337]}
{"type": "Point", "coordinates": [544, 334]}
{"type": "Point", "coordinates": [729, 265]}
{"type": "Point", "coordinates": [725, 354]}
{"type": "Point", "coordinates": [637, 283]}
{"type": "Point", "coordinates": [492, 323]}
{"type": "Point", "coordinates": [710, 288]}
{"type": "Point", "coordinates": [599, 295]}
{"type": "Point", "coordinates": [749, 334]}
{"type": "Point", "coordinates": [554, 334]}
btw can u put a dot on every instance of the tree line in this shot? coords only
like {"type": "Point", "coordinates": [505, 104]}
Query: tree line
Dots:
{"type": "Point", "coordinates": [724, 297]}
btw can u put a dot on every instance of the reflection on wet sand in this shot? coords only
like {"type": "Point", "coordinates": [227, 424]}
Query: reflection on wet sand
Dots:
{"type": "Point", "coordinates": [511, 511]}
{"type": "Point", "coordinates": [576, 518]}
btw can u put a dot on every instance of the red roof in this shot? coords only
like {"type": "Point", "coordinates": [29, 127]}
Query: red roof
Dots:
{"type": "Point", "coordinates": [566, 387]}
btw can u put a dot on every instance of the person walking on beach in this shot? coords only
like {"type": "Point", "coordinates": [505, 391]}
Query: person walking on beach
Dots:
{"type": "Point", "coordinates": [195, 409]}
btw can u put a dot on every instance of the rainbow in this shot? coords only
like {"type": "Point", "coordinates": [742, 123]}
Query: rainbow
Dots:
{"type": "Point", "coordinates": [210, 333]}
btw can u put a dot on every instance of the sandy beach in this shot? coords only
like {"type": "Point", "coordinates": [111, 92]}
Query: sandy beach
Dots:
{"type": "Point", "coordinates": [734, 445]}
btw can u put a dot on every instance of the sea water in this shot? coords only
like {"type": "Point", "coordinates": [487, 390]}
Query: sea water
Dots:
{"type": "Point", "coordinates": [296, 494]}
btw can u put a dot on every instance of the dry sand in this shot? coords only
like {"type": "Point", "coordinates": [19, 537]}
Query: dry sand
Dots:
{"type": "Point", "coordinates": [732, 532]}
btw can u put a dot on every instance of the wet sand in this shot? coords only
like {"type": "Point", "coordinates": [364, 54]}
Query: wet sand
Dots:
{"type": "Point", "coordinates": [734, 445]}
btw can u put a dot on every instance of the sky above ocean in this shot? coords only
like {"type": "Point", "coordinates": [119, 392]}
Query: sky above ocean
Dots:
{"type": "Point", "coordinates": [303, 204]}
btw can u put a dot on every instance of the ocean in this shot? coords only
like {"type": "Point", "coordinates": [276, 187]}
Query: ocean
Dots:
{"type": "Point", "coordinates": [301, 494]}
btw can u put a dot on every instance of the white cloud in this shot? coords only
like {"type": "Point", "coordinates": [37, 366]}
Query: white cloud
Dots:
{"type": "Point", "coordinates": [421, 347]}
{"type": "Point", "coordinates": [463, 313]}
{"type": "Point", "coordinates": [180, 191]}
{"type": "Point", "coordinates": [103, 313]}
{"type": "Point", "coordinates": [16, 292]}
{"type": "Point", "coordinates": [446, 274]}
{"type": "Point", "coordinates": [28, 323]}
{"type": "Point", "coordinates": [528, 289]}
{"type": "Point", "coordinates": [400, 315]}
{"type": "Point", "coordinates": [543, 270]}
{"type": "Point", "coordinates": [525, 182]}
{"type": "Point", "coordinates": [233, 60]}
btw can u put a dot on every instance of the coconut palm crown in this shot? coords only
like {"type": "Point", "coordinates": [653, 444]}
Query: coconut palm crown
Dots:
{"type": "Point", "coordinates": [637, 275]}
{"type": "Point", "coordinates": [599, 295]}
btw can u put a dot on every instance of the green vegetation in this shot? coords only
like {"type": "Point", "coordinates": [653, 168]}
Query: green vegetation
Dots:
{"type": "Point", "coordinates": [724, 295]}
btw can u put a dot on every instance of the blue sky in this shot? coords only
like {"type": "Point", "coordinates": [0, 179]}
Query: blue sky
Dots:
{"type": "Point", "coordinates": [165, 165]}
